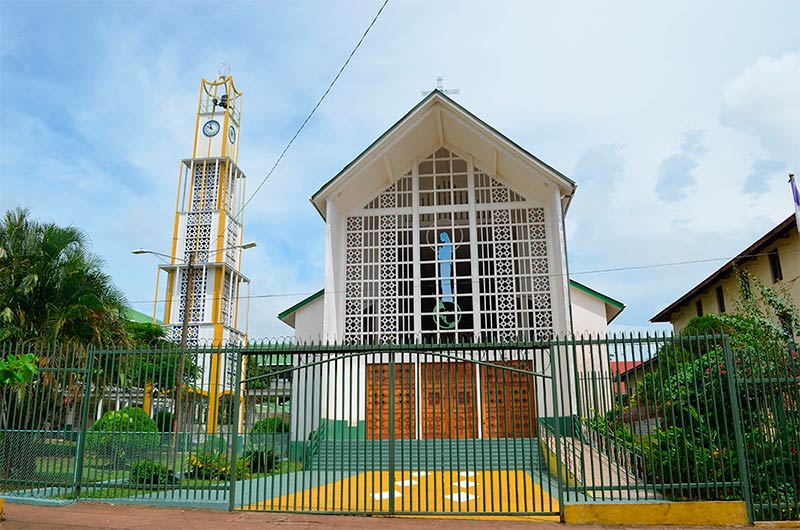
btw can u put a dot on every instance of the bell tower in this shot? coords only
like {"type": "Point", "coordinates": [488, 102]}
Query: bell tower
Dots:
{"type": "Point", "coordinates": [205, 269]}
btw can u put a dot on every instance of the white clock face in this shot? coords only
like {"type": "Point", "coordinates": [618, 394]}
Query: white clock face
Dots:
{"type": "Point", "coordinates": [211, 128]}
{"type": "Point", "coordinates": [231, 134]}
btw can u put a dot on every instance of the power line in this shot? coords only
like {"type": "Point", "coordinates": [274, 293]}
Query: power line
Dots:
{"type": "Point", "coordinates": [475, 282]}
{"type": "Point", "coordinates": [310, 114]}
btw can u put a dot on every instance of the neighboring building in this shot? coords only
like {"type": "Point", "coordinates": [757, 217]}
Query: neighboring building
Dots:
{"type": "Point", "coordinates": [442, 231]}
{"type": "Point", "coordinates": [774, 259]}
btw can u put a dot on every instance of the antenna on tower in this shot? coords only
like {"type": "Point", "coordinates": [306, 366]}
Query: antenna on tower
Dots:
{"type": "Point", "coordinates": [224, 69]}
{"type": "Point", "coordinates": [440, 87]}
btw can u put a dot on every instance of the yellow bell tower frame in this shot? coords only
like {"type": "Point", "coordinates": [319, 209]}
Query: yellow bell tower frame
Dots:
{"type": "Point", "coordinates": [208, 235]}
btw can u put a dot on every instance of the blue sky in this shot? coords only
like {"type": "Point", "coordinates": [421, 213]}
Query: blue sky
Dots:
{"type": "Point", "coordinates": [679, 121]}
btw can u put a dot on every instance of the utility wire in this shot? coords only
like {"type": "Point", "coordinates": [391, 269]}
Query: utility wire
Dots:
{"type": "Point", "coordinates": [310, 114]}
{"type": "Point", "coordinates": [466, 281]}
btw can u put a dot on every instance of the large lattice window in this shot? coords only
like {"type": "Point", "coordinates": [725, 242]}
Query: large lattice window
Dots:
{"type": "Point", "coordinates": [379, 272]}
{"type": "Point", "coordinates": [496, 287]}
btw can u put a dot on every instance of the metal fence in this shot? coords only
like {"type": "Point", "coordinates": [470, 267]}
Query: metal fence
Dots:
{"type": "Point", "coordinates": [416, 429]}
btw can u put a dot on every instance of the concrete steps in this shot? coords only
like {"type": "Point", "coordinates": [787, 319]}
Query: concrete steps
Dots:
{"type": "Point", "coordinates": [362, 455]}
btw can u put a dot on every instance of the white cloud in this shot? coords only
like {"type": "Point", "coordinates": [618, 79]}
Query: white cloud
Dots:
{"type": "Point", "coordinates": [764, 101]}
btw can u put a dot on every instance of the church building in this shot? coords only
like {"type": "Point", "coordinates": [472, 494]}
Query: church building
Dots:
{"type": "Point", "coordinates": [444, 230]}
{"type": "Point", "coordinates": [441, 231]}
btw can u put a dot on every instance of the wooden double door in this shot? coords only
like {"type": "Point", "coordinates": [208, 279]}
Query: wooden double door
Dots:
{"type": "Point", "coordinates": [448, 400]}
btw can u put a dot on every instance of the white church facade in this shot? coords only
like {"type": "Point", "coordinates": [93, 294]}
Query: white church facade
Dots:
{"type": "Point", "coordinates": [443, 231]}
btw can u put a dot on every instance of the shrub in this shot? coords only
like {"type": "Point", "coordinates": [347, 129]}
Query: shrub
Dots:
{"type": "Point", "coordinates": [165, 420]}
{"type": "Point", "coordinates": [121, 434]}
{"type": "Point", "coordinates": [260, 461]}
{"type": "Point", "coordinates": [215, 465]}
{"type": "Point", "coordinates": [271, 425]}
{"type": "Point", "coordinates": [208, 465]}
{"type": "Point", "coordinates": [151, 473]}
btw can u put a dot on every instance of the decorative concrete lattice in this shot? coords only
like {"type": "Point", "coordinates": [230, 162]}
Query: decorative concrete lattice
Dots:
{"type": "Point", "coordinates": [198, 294]}
{"type": "Point", "coordinates": [205, 186]}
{"type": "Point", "coordinates": [378, 262]}
{"type": "Point", "coordinates": [495, 287]}
{"type": "Point", "coordinates": [198, 236]}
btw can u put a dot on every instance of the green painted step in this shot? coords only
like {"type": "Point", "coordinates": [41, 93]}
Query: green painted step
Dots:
{"type": "Point", "coordinates": [361, 455]}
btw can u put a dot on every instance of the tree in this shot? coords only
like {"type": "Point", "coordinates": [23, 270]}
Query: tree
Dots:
{"type": "Point", "coordinates": [689, 391]}
{"type": "Point", "coordinates": [52, 289]}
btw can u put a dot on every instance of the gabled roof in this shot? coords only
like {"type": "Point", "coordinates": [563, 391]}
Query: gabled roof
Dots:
{"type": "Point", "coordinates": [439, 121]}
{"type": "Point", "coordinates": [768, 239]}
{"type": "Point", "coordinates": [287, 316]}
{"type": "Point", "coordinates": [613, 307]}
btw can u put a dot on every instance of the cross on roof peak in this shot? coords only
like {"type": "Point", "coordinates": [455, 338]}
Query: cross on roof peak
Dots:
{"type": "Point", "coordinates": [440, 87]}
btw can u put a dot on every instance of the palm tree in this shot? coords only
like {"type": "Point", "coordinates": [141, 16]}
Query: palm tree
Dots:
{"type": "Point", "coordinates": [52, 289]}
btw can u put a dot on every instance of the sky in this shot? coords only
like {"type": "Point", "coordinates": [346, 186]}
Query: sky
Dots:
{"type": "Point", "coordinates": [678, 120]}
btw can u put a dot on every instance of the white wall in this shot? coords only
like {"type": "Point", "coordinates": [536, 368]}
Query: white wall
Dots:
{"type": "Point", "coordinates": [588, 314]}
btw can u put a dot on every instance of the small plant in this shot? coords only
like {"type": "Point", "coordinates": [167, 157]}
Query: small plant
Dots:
{"type": "Point", "coordinates": [208, 465]}
{"type": "Point", "coordinates": [216, 465]}
{"type": "Point", "coordinates": [260, 461]}
{"type": "Point", "coordinates": [150, 472]}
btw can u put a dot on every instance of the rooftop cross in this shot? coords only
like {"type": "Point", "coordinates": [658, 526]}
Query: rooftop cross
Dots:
{"type": "Point", "coordinates": [440, 87]}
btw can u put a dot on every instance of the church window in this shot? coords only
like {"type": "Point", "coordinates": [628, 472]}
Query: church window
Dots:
{"type": "Point", "coordinates": [775, 266]}
{"type": "Point", "coordinates": [482, 269]}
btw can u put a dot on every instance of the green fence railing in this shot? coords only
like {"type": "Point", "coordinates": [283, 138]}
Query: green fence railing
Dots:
{"type": "Point", "coordinates": [343, 429]}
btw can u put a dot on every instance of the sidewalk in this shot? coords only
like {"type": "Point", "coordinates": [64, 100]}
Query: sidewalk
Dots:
{"type": "Point", "coordinates": [89, 516]}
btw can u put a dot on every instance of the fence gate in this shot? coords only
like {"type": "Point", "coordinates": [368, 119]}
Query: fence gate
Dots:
{"type": "Point", "coordinates": [397, 430]}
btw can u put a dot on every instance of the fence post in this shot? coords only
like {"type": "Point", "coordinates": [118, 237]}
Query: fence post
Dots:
{"type": "Point", "coordinates": [741, 449]}
{"type": "Point", "coordinates": [83, 422]}
{"type": "Point", "coordinates": [234, 441]}
{"type": "Point", "coordinates": [556, 427]}
{"type": "Point", "coordinates": [392, 433]}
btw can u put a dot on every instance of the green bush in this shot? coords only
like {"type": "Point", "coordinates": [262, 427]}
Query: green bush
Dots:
{"type": "Point", "coordinates": [165, 420]}
{"type": "Point", "coordinates": [122, 434]}
{"type": "Point", "coordinates": [208, 465]}
{"type": "Point", "coordinates": [150, 473]}
{"type": "Point", "coordinates": [216, 465]}
{"type": "Point", "coordinates": [270, 426]}
{"type": "Point", "coordinates": [259, 460]}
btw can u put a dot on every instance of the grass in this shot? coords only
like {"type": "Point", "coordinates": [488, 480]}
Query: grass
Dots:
{"type": "Point", "coordinates": [187, 484]}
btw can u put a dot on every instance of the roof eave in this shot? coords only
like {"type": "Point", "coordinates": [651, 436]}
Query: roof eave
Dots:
{"type": "Point", "coordinates": [565, 183]}
{"type": "Point", "coordinates": [285, 315]}
{"type": "Point", "coordinates": [764, 241]}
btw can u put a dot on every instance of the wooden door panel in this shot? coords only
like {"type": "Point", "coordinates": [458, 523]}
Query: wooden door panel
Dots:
{"type": "Point", "coordinates": [448, 400]}
{"type": "Point", "coordinates": [508, 400]}
{"type": "Point", "coordinates": [378, 391]}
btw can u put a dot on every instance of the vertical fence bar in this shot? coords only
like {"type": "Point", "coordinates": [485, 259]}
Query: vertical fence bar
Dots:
{"type": "Point", "coordinates": [392, 432]}
{"type": "Point", "coordinates": [554, 378]}
{"type": "Point", "coordinates": [83, 423]}
{"type": "Point", "coordinates": [234, 437]}
{"type": "Point", "coordinates": [741, 449]}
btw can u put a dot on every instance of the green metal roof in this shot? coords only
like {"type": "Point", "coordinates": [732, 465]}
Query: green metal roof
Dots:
{"type": "Point", "coordinates": [424, 100]}
{"type": "Point", "coordinates": [597, 294]}
{"type": "Point", "coordinates": [301, 304]}
{"type": "Point", "coordinates": [588, 290]}
{"type": "Point", "coordinates": [137, 316]}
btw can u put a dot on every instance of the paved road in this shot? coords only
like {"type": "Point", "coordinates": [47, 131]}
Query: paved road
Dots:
{"type": "Point", "coordinates": [90, 516]}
